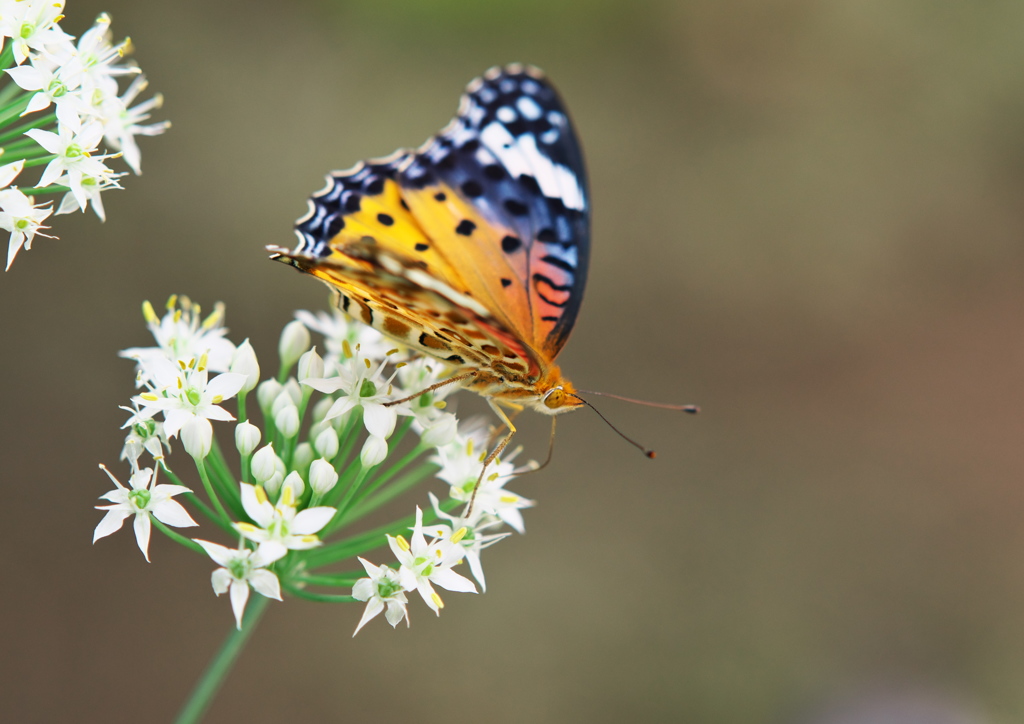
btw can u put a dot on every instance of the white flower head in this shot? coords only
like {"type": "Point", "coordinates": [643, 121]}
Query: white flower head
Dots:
{"type": "Point", "coordinates": [470, 533]}
{"type": "Point", "coordinates": [52, 84]}
{"type": "Point", "coordinates": [23, 219]}
{"type": "Point", "coordinates": [184, 334]}
{"type": "Point", "coordinates": [382, 589]}
{"type": "Point", "coordinates": [92, 187]}
{"type": "Point", "coordinates": [122, 122]}
{"type": "Point", "coordinates": [280, 528]}
{"type": "Point", "coordinates": [362, 384]}
{"type": "Point", "coordinates": [144, 435]}
{"type": "Point", "coordinates": [74, 157]}
{"type": "Point", "coordinates": [32, 26]}
{"type": "Point", "coordinates": [424, 563]}
{"type": "Point", "coordinates": [241, 568]}
{"type": "Point", "coordinates": [182, 391]}
{"type": "Point", "coordinates": [141, 501]}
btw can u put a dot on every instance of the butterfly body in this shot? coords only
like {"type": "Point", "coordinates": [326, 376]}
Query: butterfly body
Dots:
{"type": "Point", "coordinates": [473, 248]}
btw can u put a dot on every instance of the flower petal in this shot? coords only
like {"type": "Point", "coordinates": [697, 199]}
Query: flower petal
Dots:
{"type": "Point", "coordinates": [142, 529]}
{"type": "Point", "coordinates": [239, 597]}
{"type": "Point", "coordinates": [172, 513]}
{"type": "Point", "coordinates": [265, 583]}
{"type": "Point", "coordinates": [312, 520]}
{"type": "Point", "coordinates": [111, 523]}
{"type": "Point", "coordinates": [374, 607]}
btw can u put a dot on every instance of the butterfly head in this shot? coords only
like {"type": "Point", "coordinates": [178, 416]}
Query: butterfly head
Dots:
{"type": "Point", "coordinates": [560, 398]}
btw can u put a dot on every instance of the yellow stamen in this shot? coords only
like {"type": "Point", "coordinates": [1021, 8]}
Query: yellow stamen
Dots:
{"type": "Point", "coordinates": [402, 543]}
{"type": "Point", "coordinates": [367, 361]}
{"type": "Point", "coordinates": [346, 348]}
{"type": "Point", "coordinates": [246, 527]}
{"type": "Point", "coordinates": [400, 365]}
{"type": "Point", "coordinates": [287, 497]}
{"type": "Point", "coordinates": [391, 352]}
{"type": "Point", "coordinates": [217, 399]}
{"type": "Point", "coordinates": [437, 600]}
{"type": "Point", "coordinates": [149, 397]}
{"type": "Point", "coordinates": [440, 404]}
{"type": "Point", "coordinates": [261, 495]}
{"type": "Point", "coordinates": [459, 534]}
{"type": "Point", "coordinates": [181, 363]}
{"type": "Point", "coordinates": [149, 314]}
{"type": "Point", "coordinates": [509, 499]}
{"type": "Point", "coordinates": [203, 361]}
{"type": "Point", "coordinates": [172, 302]}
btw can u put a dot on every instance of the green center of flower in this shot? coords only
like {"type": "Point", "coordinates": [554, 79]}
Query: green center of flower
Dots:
{"type": "Point", "coordinates": [367, 389]}
{"type": "Point", "coordinates": [26, 30]}
{"type": "Point", "coordinates": [56, 89]}
{"type": "Point", "coordinates": [238, 568]}
{"type": "Point", "coordinates": [193, 396]}
{"type": "Point", "coordinates": [89, 181]}
{"type": "Point", "coordinates": [144, 429]}
{"type": "Point", "coordinates": [21, 224]}
{"type": "Point", "coordinates": [387, 589]}
{"type": "Point", "coordinates": [140, 498]}
{"type": "Point", "coordinates": [73, 151]}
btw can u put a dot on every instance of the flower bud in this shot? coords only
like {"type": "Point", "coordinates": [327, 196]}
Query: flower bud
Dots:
{"type": "Point", "coordinates": [441, 431]}
{"type": "Point", "coordinates": [280, 402]}
{"type": "Point", "coordinates": [294, 341]}
{"type": "Point", "coordinates": [294, 481]}
{"type": "Point", "coordinates": [311, 365]}
{"type": "Point", "coordinates": [321, 407]}
{"type": "Point", "coordinates": [293, 390]}
{"type": "Point", "coordinates": [267, 392]}
{"type": "Point", "coordinates": [322, 476]}
{"type": "Point", "coordinates": [247, 437]}
{"type": "Point", "coordinates": [287, 421]}
{"type": "Point", "coordinates": [375, 449]}
{"type": "Point", "coordinates": [265, 464]}
{"type": "Point", "coordinates": [197, 437]}
{"type": "Point", "coordinates": [302, 457]}
{"type": "Point", "coordinates": [273, 485]}
{"type": "Point", "coordinates": [243, 362]}
{"type": "Point", "coordinates": [326, 443]}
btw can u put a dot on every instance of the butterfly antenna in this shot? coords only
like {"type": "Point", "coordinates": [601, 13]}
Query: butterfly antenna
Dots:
{"type": "Point", "coordinates": [692, 409]}
{"type": "Point", "coordinates": [649, 453]}
{"type": "Point", "coordinates": [442, 383]}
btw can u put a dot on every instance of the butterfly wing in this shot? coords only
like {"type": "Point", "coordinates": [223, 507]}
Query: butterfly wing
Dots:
{"type": "Point", "coordinates": [474, 245]}
{"type": "Point", "coordinates": [503, 187]}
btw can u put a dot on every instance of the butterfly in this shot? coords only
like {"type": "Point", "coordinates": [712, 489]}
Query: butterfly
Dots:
{"type": "Point", "coordinates": [473, 248]}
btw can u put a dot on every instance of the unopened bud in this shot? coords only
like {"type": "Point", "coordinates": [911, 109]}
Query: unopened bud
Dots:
{"type": "Point", "coordinates": [326, 443]}
{"type": "Point", "coordinates": [311, 365]}
{"type": "Point", "coordinates": [294, 341]}
{"type": "Point", "coordinates": [247, 438]}
{"type": "Point", "coordinates": [322, 476]}
{"type": "Point", "coordinates": [244, 362]}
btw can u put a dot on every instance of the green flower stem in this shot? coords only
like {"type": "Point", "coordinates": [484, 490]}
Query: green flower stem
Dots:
{"type": "Point", "coordinates": [319, 597]}
{"type": "Point", "coordinates": [366, 505]}
{"type": "Point", "coordinates": [177, 537]}
{"type": "Point", "coordinates": [6, 61]}
{"type": "Point", "coordinates": [342, 506]}
{"type": "Point", "coordinates": [370, 540]}
{"type": "Point", "coordinates": [15, 107]}
{"type": "Point", "coordinates": [18, 131]}
{"type": "Point", "coordinates": [19, 143]}
{"type": "Point", "coordinates": [194, 499]}
{"type": "Point", "coordinates": [228, 485]}
{"type": "Point", "coordinates": [40, 161]}
{"type": "Point", "coordinates": [241, 405]}
{"type": "Point", "coordinates": [379, 480]}
{"type": "Point", "coordinates": [44, 190]}
{"type": "Point", "coordinates": [331, 579]}
{"type": "Point", "coordinates": [212, 679]}
{"type": "Point", "coordinates": [347, 438]}
{"type": "Point", "coordinates": [210, 492]}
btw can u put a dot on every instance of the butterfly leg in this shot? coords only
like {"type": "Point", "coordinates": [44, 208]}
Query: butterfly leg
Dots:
{"type": "Point", "coordinates": [442, 383]}
{"type": "Point", "coordinates": [502, 444]}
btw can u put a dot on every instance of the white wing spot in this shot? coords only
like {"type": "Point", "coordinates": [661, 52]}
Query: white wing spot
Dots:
{"type": "Point", "coordinates": [520, 156]}
{"type": "Point", "coordinates": [506, 115]}
{"type": "Point", "coordinates": [529, 108]}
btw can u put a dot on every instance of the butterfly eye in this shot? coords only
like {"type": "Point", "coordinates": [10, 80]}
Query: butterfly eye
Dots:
{"type": "Point", "coordinates": [555, 398]}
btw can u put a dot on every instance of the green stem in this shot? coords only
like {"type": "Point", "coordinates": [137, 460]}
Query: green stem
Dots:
{"type": "Point", "coordinates": [212, 679]}
{"type": "Point", "coordinates": [319, 597]}
{"type": "Point", "coordinates": [40, 161]}
{"type": "Point", "coordinates": [331, 579]}
{"type": "Point", "coordinates": [44, 190]}
{"type": "Point", "coordinates": [367, 504]}
{"type": "Point", "coordinates": [210, 492]}
{"type": "Point", "coordinates": [14, 108]}
{"type": "Point", "coordinates": [379, 480]}
{"type": "Point", "coordinates": [177, 537]}
{"type": "Point", "coordinates": [6, 61]}
{"type": "Point", "coordinates": [20, 130]}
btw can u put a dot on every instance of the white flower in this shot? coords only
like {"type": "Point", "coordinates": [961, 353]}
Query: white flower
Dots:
{"type": "Point", "coordinates": [183, 334]}
{"type": "Point", "coordinates": [31, 25]}
{"type": "Point", "coordinates": [338, 328]}
{"type": "Point", "coordinates": [144, 434]}
{"type": "Point", "coordinates": [74, 159]}
{"type": "Point", "coordinates": [381, 589]}
{"type": "Point", "coordinates": [473, 537]}
{"type": "Point", "coordinates": [279, 528]}
{"type": "Point", "coordinates": [322, 477]}
{"type": "Point", "coordinates": [23, 219]}
{"type": "Point", "coordinates": [92, 187]}
{"type": "Point", "coordinates": [265, 463]}
{"type": "Point", "coordinates": [181, 390]}
{"type": "Point", "coordinates": [361, 386]}
{"type": "Point", "coordinates": [417, 376]}
{"type": "Point", "coordinates": [52, 85]}
{"type": "Point", "coordinates": [460, 468]}
{"type": "Point", "coordinates": [121, 123]}
{"type": "Point", "coordinates": [247, 437]}
{"type": "Point", "coordinates": [294, 341]}
{"type": "Point", "coordinates": [244, 362]}
{"type": "Point", "coordinates": [326, 443]}
{"type": "Point", "coordinates": [241, 568]}
{"type": "Point", "coordinates": [424, 563]}
{"type": "Point", "coordinates": [197, 437]}
{"type": "Point", "coordinates": [142, 502]}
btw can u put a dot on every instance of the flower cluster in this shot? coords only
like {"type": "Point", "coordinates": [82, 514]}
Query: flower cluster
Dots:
{"type": "Point", "coordinates": [72, 94]}
{"type": "Point", "coordinates": [313, 468]}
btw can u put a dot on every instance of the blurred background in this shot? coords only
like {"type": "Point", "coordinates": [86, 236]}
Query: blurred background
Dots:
{"type": "Point", "coordinates": [808, 219]}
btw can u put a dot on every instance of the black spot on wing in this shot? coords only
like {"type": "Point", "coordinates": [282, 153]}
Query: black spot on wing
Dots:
{"type": "Point", "coordinates": [465, 227]}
